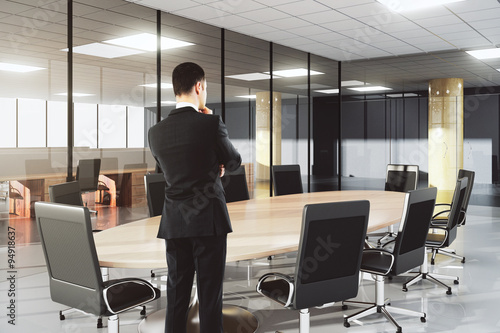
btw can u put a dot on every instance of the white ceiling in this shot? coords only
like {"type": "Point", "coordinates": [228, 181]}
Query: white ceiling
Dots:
{"type": "Point", "coordinates": [362, 30]}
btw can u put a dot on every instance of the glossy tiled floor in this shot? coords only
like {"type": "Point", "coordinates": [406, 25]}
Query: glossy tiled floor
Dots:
{"type": "Point", "coordinates": [473, 307]}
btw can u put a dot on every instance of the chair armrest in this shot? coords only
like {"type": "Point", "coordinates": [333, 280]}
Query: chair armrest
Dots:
{"type": "Point", "coordinates": [440, 213]}
{"type": "Point", "coordinates": [287, 278]}
{"type": "Point", "coordinates": [117, 283]}
{"type": "Point", "coordinates": [431, 231]}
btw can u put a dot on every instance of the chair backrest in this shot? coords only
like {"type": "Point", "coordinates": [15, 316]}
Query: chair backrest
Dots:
{"type": "Point", "coordinates": [235, 185]}
{"type": "Point", "coordinates": [330, 251]}
{"type": "Point", "coordinates": [155, 192]}
{"type": "Point", "coordinates": [457, 203]}
{"type": "Point", "coordinates": [470, 183]}
{"type": "Point", "coordinates": [66, 193]}
{"type": "Point", "coordinates": [409, 246]}
{"type": "Point", "coordinates": [87, 174]}
{"type": "Point", "coordinates": [70, 255]}
{"type": "Point", "coordinates": [287, 179]}
{"type": "Point", "coordinates": [401, 178]}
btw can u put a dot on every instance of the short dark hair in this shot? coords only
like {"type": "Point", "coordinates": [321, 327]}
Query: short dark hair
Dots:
{"type": "Point", "coordinates": [185, 76]}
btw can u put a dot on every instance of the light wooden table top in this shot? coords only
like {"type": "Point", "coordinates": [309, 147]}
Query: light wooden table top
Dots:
{"type": "Point", "coordinates": [261, 227]}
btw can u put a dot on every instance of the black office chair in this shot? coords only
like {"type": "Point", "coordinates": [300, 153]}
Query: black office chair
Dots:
{"type": "Point", "coordinates": [398, 178]}
{"type": "Point", "coordinates": [73, 268]}
{"type": "Point", "coordinates": [155, 194]}
{"type": "Point", "coordinates": [87, 174]}
{"type": "Point", "coordinates": [287, 179]}
{"type": "Point", "coordinates": [441, 218]}
{"type": "Point", "coordinates": [67, 193]}
{"type": "Point", "coordinates": [443, 239]}
{"type": "Point", "coordinates": [328, 261]}
{"type": "Point", "coordinates": [235, 185]}
{"type": "Point", "coordinates": [408, 253]}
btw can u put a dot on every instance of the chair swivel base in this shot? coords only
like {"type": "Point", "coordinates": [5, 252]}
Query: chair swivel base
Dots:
{"type": "Point", "coordinates": [432, 278]}
{"type": "Point", "coordinates": [385, 309]}
{"type": "Point", "coordinates": [446, 252]}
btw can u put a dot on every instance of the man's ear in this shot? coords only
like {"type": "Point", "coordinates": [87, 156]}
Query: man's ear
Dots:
{"type": "Point", "coordinates": [198, 87]}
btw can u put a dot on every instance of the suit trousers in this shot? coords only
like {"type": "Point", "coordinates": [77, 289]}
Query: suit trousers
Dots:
{"type": "Point", "coordinates": [207, 257]}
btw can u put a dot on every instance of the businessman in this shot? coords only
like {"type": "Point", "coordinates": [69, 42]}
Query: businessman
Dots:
{"type": "Point", "coordinates": [193, 149]}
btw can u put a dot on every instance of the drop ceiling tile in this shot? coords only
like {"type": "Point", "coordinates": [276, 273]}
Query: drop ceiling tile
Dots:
{"type": "Point", "coordinates": [254, 28]}
{"type": "Point", "coordinates": [399, 27]}
{"type": "Point", "coordinates": [229, 21]}
{"type": "Point", "coordinates": [462, 35]}
{"type": "Point", "coordinates": [275, 36]}
{"type": "Point", "coordinates": [344, 25]}
{"type": "Point", "coordinates": [324, 17]}
{"type": "Point", "coordinates": [479, 15]}
{"type": "Point", "coordinates": [368, 9]}
{"type": "Point", "coordinates": [309, 30]}
{"type": "Point", "coordinates": [205, 12]}
{"type": "Point", "coordinates": [302, 7]}
{"type": "Point", "coordinates": [235, 7]}
{"type": "Point", "coordinates": [466, 6]}
{"type": "Point", "coordinates": [438, 21]}
{"type": "Point", "coordinates": [288, 23]}
{"type": "Point", "coordinates": [264, 15]}
{"type": "Point", "coordinates": [436, 11]}
{"type": "Point", "coordinates": [444, 29]}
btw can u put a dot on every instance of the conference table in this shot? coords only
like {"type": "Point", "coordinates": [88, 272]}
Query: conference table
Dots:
{"type": "Point", "coordinates": [261, 227]}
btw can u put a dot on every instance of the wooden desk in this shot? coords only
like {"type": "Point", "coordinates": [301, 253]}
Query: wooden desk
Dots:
{"type": "Point", "coordinates": [261, 227]}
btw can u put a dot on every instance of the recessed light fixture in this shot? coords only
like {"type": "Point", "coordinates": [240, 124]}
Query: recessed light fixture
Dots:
{"type": "Point", "coordinates": [402, 95]}
{"type": "Point", "coordinates": [250, 76]}
{"type": "Point", "coordinates": [147, 42]}
{"type": "Point", "coordinates": [328, 91]}
{"type": "Point", "coordinates": [75, 94]}
{"type": "Point", "coordinates": [350, 83]}
{"type": "Point", "coordinates": [370, 88]}
{"type": "Point", "coordinates": [104, 50]}
{"type": "Point", "coordinates": [5, 66]}
{"type": "Point", "coordinates": [247, 96]}
{"type": "Point", "coordinates": [293, 72]}
{"type": "Point", "coordinates": [153, 85]}
{"type": "Point", "coordinates": [485, 54]}
{"type": "Point", "coordinates": [409, 5]}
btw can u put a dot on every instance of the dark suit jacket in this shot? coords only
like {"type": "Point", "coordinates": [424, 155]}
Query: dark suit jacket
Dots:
{"type": "Point", "coordinates": [189, 146]}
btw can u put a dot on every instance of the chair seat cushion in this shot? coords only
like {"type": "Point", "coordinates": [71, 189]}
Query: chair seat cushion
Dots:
{"type": "Point", "coordinates": [435, 239]}
{"type": "Point", "coordinates": [123, 294]}
{"type": "Point", "coordinates": [277, 290]}
{"type": "Point", "coordinates": [376, 262]}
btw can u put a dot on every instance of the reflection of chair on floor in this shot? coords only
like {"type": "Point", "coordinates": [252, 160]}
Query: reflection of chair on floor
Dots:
{"type": "Point", "coordinates": [14, 194]}
{"type": "Point", "coordinates": [441, 218]}
{"type": "Point", "coordinates": [408, 253]}
{"type": "Point", "coordinates": [106, 197]}
{"type": "Point", "coordinates": [155, 195]}
{"type": "Point", "coordinates": [443, 239]}
{"type": "Point", "coordinates": [328, 260]}
{"type": "Point", "coordinates": [73, 267]}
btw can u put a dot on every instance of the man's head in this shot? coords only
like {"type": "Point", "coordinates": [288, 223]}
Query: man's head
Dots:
{"type": "Point", "coordinates": [185, 77]}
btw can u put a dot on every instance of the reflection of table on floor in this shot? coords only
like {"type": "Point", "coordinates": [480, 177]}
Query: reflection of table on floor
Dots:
{"type": "Point", "coordinates": [261, 227]}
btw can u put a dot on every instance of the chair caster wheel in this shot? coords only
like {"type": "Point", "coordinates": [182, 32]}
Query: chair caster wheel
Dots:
{"type": "Point", "coordinates": [448, 292]}
{"type": "Point", "coordinates": [432, 262]}
{"type": "Point", "coordinates": [61, 316]}
{"type": "Point", "coordinates": [423, 320]}
{"type": "Point", "coordinates": [399, 330]}
{"type": "Point", "coordinates": [405, 289]}
{"type": "Point", "coordinates": [455, 281]}
{"type": "Point", "coordinates": [99, 323]}
{"type": "Point", "coordinates": [344, 307]}
{"type": "Point", "coordinates": [153, 274]}
{"type": "Point", "coordinates": [346, 324]}
{"type": "Point", "coordinates": [463, 261]}
{"type": "Point", "coordinates": [143, 311]}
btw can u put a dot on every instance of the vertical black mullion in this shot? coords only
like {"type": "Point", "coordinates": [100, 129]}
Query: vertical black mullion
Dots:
{"type": "Point", "coordinates": [158, 66]}
{"type": "Point", "coordinates": [308, 122]}
{"type": "Point", "coordinates": [222, 73]}
{"type": "Point", "coordinates": [17, 122]}
{"type": "Point", "coordinates": [271, 102]}
{"type": "Point", "coordinates": [69, 172]}
{"type": "Point", "coordinates": [339, 84]}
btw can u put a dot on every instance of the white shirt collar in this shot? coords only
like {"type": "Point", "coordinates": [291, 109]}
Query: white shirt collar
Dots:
{"type": "Point", "coordinates": [185, 104]}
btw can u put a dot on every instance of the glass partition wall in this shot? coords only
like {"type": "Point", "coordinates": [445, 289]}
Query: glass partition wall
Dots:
{"type": "Point", "coordinates": [341, 139]}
